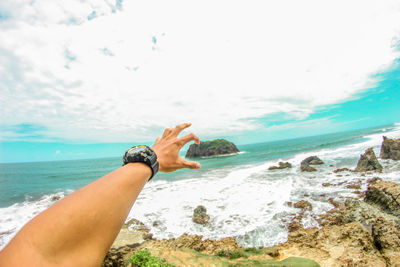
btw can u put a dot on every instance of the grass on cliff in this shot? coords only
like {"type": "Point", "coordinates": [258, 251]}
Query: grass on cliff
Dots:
{"type": "Point", "coordinates": [143, 258]}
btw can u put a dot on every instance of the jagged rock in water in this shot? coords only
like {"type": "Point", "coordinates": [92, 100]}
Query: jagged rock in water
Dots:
{"type": "Point", "coordinates": [307, 168]}
{"type": "Point", "coordinates": [386, 195]}
{"type": "Point", "coordinates": [368, 162]}
{"type": "Point", "coordinates": [342, 170]}
{"type": "Point", "coordinates": [200, 215]}
{"type": "Point", "coordinates": [390, 149]}
{"type": "Point", "coordinates": [282, 165]}
{"type": "Point", "coordinates": [313, 160]}
{"type": "Point", "coordinates": [211, 148]}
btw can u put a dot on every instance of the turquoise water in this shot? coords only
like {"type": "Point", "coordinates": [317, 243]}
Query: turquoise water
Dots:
{"type": "Point", "coordinates": [30, 181]}
{"type": "Point", "coordinates": [243, 198]}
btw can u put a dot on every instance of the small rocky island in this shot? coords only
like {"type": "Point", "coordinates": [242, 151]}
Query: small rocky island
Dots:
{"type": "Point", "coordinates": [211, 148]}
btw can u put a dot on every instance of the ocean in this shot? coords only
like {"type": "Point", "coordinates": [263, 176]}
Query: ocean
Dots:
{"type": "Point", "coordinates": [243, 198]}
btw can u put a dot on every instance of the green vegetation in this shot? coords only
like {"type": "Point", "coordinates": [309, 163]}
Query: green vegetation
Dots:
{"type": "Point", "coordinates": [273, 252]}
{"type": "Point", "coordinates": [222, 143]}
{"type": "Point", "coordinates": [231, 254]}
{"type": "Point", "coordinates": [143, 258]}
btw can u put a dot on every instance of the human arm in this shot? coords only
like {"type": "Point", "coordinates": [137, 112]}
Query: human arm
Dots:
{"type": "Point", "coordinates": [79, 229]}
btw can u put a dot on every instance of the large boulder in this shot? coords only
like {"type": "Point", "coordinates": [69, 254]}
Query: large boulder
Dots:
{"type": "Point", "coordinates": [390, 149]}
{"type": "Point", "coordinates": [200, 215]}
{"type": "Point", "coordinates": [282, 165]}
{"type": "Point", "coordinates": [313, 160]}
{"type": "Point", "coordinates": [368, 162]}
{"type": "Point", "coordinates": [211, 148]}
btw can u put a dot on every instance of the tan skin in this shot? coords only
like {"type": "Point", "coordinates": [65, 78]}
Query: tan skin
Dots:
{"type": "Point", "coordinates": [79, 229]}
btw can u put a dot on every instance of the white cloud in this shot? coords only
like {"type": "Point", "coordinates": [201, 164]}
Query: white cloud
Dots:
{"type": "Point", "coordinates": [126, 74]}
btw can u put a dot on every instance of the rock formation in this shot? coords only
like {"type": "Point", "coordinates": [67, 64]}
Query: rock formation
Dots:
{"type": "Point", "coordinates": [282, 165]}
{"type": "Point", "coordinates": [211, 148]}
{"type": "Point", "coordinates": [368, 162]}
{"type": "Point", "coordinates": [390, 149]}
{"type": "Point", "coordinates": [346, 245]}
{"type": "Point", "coordinates": [386, 195]}
{"type": "Point", "coordinates": [313, 160]}
{"type": "Point", "coordinates": [200, 215]}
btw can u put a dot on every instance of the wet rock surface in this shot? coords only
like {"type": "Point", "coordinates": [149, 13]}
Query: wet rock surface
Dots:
{"type": "Point", "coordinates": [342, 170]}
{"type": "Point", "coordinates": [313, 160]}
{"type": "Point", "coordinates": [307, 168]}
{"type": "Point", "coordinates": [390, 149]}
{"type": "Point", "coordinates": [281, 165]}
{"type": "Point", "coordinates": [200, 215]}
{"type": "Point", "coordinates": [368, 162]}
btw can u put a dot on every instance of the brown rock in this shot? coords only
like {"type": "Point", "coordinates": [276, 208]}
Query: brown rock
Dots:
{"type": "Point", "coordinates": [293, 226]}
{"type": "Point", "coordinates": [307, 168]}
{"type": "Point", "coordinates": [200, 215]}
{"type": "Point", "coordinates": [342, 170]}
{"type": "Point", "coordinates": [282, 165]}
{"type": "Point", "coordinates": [353, 186]}
{"type": "Point", "coordinates": [197, 243]}
{"type": "Point", "coordinates": [390, 149]}
{"type": "Point", "coordinates": [387, 240]}
{"type": "Point", "coordinates": [303, 204]}
{"type": "Point", "coordinates": [373, 180]}
{"type": "Point", "coordinates": [386, 195]}
{"type": "Point", "coordinates": [344, 245]}
{"type": "Point", "coordinates": [368, 162]}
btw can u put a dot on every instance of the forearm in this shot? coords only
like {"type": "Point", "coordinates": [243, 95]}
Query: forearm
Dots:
{"type": "Point", "coordinates": [84, 224]}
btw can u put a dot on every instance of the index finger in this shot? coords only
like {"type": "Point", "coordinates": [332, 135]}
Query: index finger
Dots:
{"type": "Point", "coordinates": [179, 128]}
{"type": "Point", "coordinates": [187, 138]}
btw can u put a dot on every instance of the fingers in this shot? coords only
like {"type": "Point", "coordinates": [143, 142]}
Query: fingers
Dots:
{"type": "Point", "coordinates": [179, 128]}
{"type": "Point", "coordinates": [187, 138]}
{"type": "Point", "coordinates": [166, 133]}
{"type": "Point", "coordinates": [157, 140]}
{"type": "Point", "coordinates": [190, 164]}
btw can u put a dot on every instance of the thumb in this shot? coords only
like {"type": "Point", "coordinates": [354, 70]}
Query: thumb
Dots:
{"type": "Point", "coordinates": [190, 164]}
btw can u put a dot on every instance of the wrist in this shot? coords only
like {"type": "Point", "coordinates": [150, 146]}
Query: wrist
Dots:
{"type": "Point", "coordinates": [144, 155]}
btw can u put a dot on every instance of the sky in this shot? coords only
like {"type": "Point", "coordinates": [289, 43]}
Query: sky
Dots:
{"type": "Point", "coordinates": [83, 78]}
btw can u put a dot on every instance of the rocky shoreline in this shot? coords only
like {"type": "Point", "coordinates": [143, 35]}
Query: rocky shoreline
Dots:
{"type": "Point", "coordinates": [363, 231]}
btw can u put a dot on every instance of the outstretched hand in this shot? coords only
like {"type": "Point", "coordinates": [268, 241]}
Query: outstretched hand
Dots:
{"type": "Point", "coordinates": [168, 146]}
